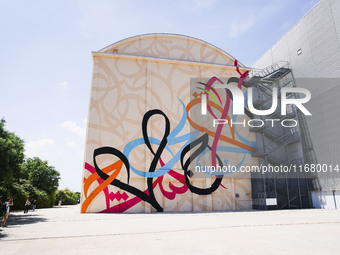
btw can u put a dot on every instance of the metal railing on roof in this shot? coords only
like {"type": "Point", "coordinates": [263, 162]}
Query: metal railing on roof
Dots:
{"type": "Point", "coordinates": [257, 72]}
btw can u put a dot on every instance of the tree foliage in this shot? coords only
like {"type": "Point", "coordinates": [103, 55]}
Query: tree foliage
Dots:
{"type": "Point", "coordinates": [41, 175]}
{"type": "Point", "coordinates": [29, 179]}
{"type": "Point", "coordinates": [67, 197]}
{"type": "Point", "coordinates": [11, 155]}
{"type": "Point", "coordinates": [42, 198]}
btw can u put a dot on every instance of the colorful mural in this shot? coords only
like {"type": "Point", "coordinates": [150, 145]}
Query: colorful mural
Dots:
{"type": "Point", "coordinates": [141, 138]}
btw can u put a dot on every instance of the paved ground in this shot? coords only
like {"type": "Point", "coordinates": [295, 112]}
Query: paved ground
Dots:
{"type": "Point", "coordinates": [65, 231]}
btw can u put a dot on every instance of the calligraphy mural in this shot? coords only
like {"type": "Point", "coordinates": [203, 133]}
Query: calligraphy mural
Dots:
{"type": "Point", "coordinates": [141, 139]}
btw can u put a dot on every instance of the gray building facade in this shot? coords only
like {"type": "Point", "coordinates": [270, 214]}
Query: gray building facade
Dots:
{"type": "Point", "coordinates": [312, 49]}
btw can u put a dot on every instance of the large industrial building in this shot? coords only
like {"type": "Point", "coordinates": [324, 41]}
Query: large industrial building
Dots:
{"type": "Point", "coordinates": [312, 49]}
{"type": "Point", "coordinates": [155, 100]}
{"type": "Point", "coordinates": [139, 129]}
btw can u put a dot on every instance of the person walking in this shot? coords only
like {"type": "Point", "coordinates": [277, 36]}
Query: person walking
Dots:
{"type": "Point", "coordinates": [34, 204]}
{"type": "Point", "coordinates": [27, 205]}
{"type": "Point", "coordinates": [7, 204]}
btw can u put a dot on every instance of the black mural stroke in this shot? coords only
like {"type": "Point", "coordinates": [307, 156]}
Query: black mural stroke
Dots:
{"type": "Point", "coordinates": [115, 182]}
{"type": "Point", "coordinates": [159, 151]}
{"type": "Point", "coordinates": [149, 197]}
{"type": "Point", "coordinates": [203, 144]}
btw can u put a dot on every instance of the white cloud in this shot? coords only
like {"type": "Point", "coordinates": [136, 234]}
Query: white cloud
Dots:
{"type": "Point", "coordinates": [71, 144]}
{"type": "Point", "coordinates": [39, 148]}
{"type": "Point", "coordinates": [241, 26]}
{"type": "Point", "coordinates": [203, 4]}
{"type": "Point", "coordinates": [63, 84]}
{"type": "Point", "coordinates": [74, 128]}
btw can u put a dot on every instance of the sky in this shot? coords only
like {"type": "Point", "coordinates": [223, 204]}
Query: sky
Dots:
{"type": "Point", "coordinates": [46, 64]}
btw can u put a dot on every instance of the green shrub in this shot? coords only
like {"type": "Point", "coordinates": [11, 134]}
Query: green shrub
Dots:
{"type": "Point", "coordinates": [52, 198]}
{"type": "Point", "coordinates": [4, 194]}
{"type": "Point", "coordinates": [67, 197]}
{"type": "Point", "coordinates": [43, 199]}
{"type": "Point", "coordinates": [19, 195]}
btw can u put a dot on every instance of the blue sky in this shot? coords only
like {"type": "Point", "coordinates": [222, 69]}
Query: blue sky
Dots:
{"type": "Point", "coordinates": [45, 66]}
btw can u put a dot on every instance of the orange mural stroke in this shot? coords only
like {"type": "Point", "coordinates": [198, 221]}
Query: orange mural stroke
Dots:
{"type": "Point", "coordinates": [116, 167]}
{"type": "Point", "coordinates": [94, 177]}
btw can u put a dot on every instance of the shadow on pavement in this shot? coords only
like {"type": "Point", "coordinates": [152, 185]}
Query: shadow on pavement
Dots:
{"type": "Point", "coordinates": [2, 234]}
{"type": "Point", "coordinates": [24, 219]}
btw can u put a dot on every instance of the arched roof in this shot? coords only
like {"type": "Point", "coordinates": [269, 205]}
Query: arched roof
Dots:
{"type": "Point", "coordinates": [171, 46]}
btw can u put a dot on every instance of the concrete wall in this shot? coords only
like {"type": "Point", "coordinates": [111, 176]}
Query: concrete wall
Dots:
{"type": "Point", "coordinates": [312, 47]}
{"type": "Point", "coordinates": [138, 128]}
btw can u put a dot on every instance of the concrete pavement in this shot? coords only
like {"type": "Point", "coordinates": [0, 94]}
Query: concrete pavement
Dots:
{"type": "Point", "coordinates": [65, 231]}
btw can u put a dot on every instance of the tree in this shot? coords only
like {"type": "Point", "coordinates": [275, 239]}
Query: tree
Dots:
{"type": "Point", "coordinates": [67, 197]}
{"type": "Point", "coordinates": [11, 155]}
{"type": "Point", "coordinates": [41, 175]}
{"type": "Point", "coordinates": [42, 198]}
{"type": "Point", "coordinates": [33, 179]}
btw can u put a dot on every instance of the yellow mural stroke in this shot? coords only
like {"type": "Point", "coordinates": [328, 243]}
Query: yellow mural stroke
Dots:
{"type": "Point", "coordinates": [116, 167]}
